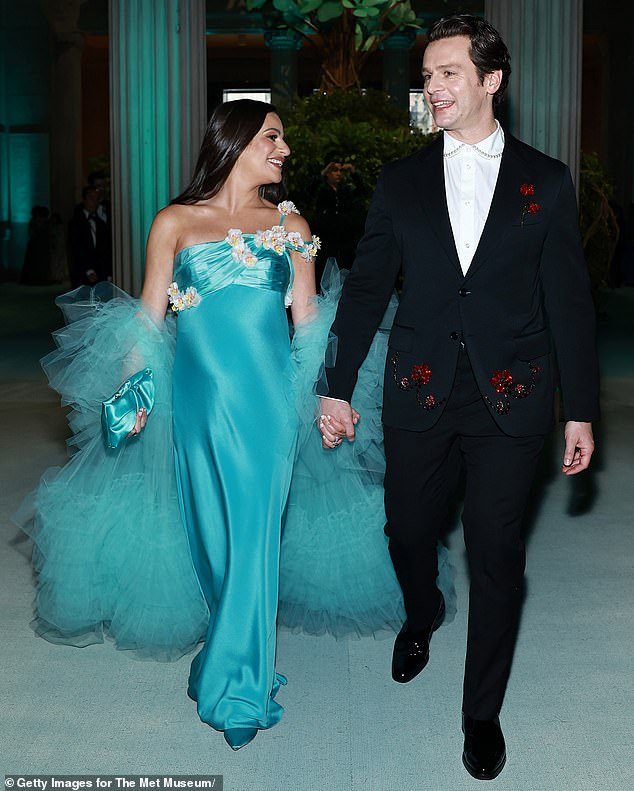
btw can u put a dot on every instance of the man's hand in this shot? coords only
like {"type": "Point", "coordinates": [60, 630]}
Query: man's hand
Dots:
{"type": "Point", "coordinates": [337, 419]}
{"type": "Point", "coordinates": [579, 447]}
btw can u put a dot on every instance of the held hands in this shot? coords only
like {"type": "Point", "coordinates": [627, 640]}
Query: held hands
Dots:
{"type": "Point", "coordinates": [337, 419]}
{"type": "Point", "coordinates": [579, 447]}
{"type": "Point", "coordinates": [141, 420]}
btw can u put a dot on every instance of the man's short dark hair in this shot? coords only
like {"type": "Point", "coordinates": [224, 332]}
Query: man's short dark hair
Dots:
{"type": "Point", "coordinates": [487, 50]}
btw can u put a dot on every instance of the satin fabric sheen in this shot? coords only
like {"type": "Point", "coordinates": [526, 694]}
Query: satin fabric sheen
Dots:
{"type": "Point", "coordinates": [234, 446]}
{"type": "Point", "coordinates": [119, 412]}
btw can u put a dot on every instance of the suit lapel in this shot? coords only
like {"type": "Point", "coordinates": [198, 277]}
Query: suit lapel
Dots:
{"type": "Point", "coordinates": [434, 198]}
{"type": "Point", "coordinates": [505, 205]}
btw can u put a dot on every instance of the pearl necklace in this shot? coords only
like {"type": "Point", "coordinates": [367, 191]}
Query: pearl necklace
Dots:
{"type": "Point", "coordinates": [482, 153]}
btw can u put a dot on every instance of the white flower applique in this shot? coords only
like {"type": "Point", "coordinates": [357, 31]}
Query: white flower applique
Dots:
{"type": "Point", "coordinates": [273, 239]}
{"type": "Point", "coordinates": [240, 251]}
{"type": "Point", "coordinates": [309, 250]}
{"type": "Point", "coordinates": [287, 207]}
{"type": "Point", "coordinates": [182, 300]}
{"type": "Point", "coordinates": [277, 239]}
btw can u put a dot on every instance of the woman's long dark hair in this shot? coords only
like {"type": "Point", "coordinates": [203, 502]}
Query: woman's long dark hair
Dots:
{"type": "Point", "coordinates": [231, 128]}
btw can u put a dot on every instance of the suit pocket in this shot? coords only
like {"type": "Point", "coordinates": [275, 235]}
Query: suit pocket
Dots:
{"type": "Point", "coordinates": [529, 347]}
{"type": "Point", "coordinates": [401, 338]}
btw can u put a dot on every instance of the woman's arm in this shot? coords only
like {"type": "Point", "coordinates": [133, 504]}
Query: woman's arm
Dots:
{"type": "Point", "coordinates": [304, 290]}
{"type": "Point", "coordinates": [159, 262]}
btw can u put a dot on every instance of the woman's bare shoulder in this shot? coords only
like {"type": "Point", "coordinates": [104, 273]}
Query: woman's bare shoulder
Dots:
{"type": "Point", "coordinates": [295, 222]}
{"type": "Point", "coordinates": [172, 217]}
{"type": "Point", "coordinates": [171, 224]}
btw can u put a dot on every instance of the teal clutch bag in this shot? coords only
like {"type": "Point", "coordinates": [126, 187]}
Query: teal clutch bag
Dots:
{"type": "Point", "coordinates": [118, 413]}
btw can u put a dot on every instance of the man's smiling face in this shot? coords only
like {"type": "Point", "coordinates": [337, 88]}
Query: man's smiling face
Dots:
{"type": "Point", "coordinates": [460, 102]}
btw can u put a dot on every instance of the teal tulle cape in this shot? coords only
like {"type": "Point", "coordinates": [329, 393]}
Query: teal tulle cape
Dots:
{"type": "Point", "coordinates": [109, 547]}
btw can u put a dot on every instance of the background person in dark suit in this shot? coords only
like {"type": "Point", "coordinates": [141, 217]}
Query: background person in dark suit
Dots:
{"type": "Point", "coordinates": [98, 180]}
{"type": "Point", "coordinates": [89, 243]}
{"type": "Point", "coordinates": [339, 216]}
{"type": "Point", "coordinates": [37, 257]}
{"type": "Point", "coordinates": [485, 230]}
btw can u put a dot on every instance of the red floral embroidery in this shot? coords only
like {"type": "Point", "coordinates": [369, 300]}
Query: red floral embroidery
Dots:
{"type": "Point", "coordinates": [529, 207]}
{"type": "Point", "coordinates": [502, 383]}
{"type": "Point", "coordinates": [502, 407]}
{"type": "Point", "coordinates": [421, 374]}
{"type": "Point", "coordinates": [418, 378]}
{"type": "Point", "coordinates": [501, 380]}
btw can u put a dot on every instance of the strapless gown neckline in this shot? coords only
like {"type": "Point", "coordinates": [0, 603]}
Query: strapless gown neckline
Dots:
{"type": "Point", "coordinates": [208, 243]}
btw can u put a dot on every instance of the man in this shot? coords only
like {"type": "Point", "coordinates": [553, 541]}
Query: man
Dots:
{"type": "Point", "coordinates": [339, 215]}
{"type": "Point", "coordinates": [494, 284]}
{"type": "Point", "coordinates": [97, 179]}
{"type": "Point", "coordinates": [89, 242]}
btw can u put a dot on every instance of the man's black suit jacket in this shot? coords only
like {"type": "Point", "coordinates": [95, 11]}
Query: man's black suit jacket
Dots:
{"type": "Point", "coordinates": [524, 302]}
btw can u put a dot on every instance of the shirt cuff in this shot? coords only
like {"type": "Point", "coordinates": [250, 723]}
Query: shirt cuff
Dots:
{"type": "Point", "coordinates": [330, 398]}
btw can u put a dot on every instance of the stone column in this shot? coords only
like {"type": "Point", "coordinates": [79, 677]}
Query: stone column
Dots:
{"type": "Point", "coordinates": [5, 148]}
{"type": "Point", "coordinates": [284, 46]}
{"type": "Point", "coordinates": [545, 40]}
{"type": "Point", "coordinates": [396, 66]}
{"type": "Point", "coordinates": [158, 78]}
{"type": "Point", "coordinates": [66, 153]}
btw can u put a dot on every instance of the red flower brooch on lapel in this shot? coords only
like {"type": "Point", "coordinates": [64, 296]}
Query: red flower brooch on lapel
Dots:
{"type": "Point", "coordinates": [530, 207]}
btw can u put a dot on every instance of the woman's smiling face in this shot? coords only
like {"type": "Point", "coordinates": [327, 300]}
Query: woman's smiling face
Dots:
{"type": "Point", "coordinates": [263, 159]}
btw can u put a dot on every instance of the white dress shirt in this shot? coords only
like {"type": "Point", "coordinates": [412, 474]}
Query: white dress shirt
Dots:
{"type": "Point", "coordinates": [471, 172]}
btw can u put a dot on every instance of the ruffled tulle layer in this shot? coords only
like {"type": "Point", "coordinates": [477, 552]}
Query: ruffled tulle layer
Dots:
{"type": "Point", "coordinates": [336, 574]}
{"type": "Point", "coordinates": [110, 549]}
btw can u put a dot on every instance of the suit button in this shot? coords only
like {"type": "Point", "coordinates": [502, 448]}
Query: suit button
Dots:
{"type": "Point", "coordinates": [463, 292]}
{"type": "Point", "coordinates": [454, 336]}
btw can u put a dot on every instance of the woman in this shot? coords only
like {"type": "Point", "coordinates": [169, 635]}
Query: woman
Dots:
{"type": "Point", "coordinates": [233, 437]}
{"type": "Point", "coordinates": [110, 549]}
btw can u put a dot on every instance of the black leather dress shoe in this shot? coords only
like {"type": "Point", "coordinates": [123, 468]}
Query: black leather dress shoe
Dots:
{"type": "Point", "coordinates": [484, 753]}
{"type": "Point", "coordinates": [411, 649]}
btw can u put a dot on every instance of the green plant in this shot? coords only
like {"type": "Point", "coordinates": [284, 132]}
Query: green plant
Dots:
{"type": "Point", "coordinates": [599, 228]}
{"type": "Point", "coordinates": [346, 32]}
{"type": "Point", "coordinates": [366, 130]}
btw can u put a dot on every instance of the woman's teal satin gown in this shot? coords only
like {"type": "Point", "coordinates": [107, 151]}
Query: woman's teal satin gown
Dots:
{"type": "Point", "coordinates": [175, 535]}
{"type": "Point", "coordinates": [234, 443]}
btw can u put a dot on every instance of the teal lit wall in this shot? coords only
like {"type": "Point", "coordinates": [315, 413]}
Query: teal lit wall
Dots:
{"type": "Point", "coordinates": [24, 122]}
